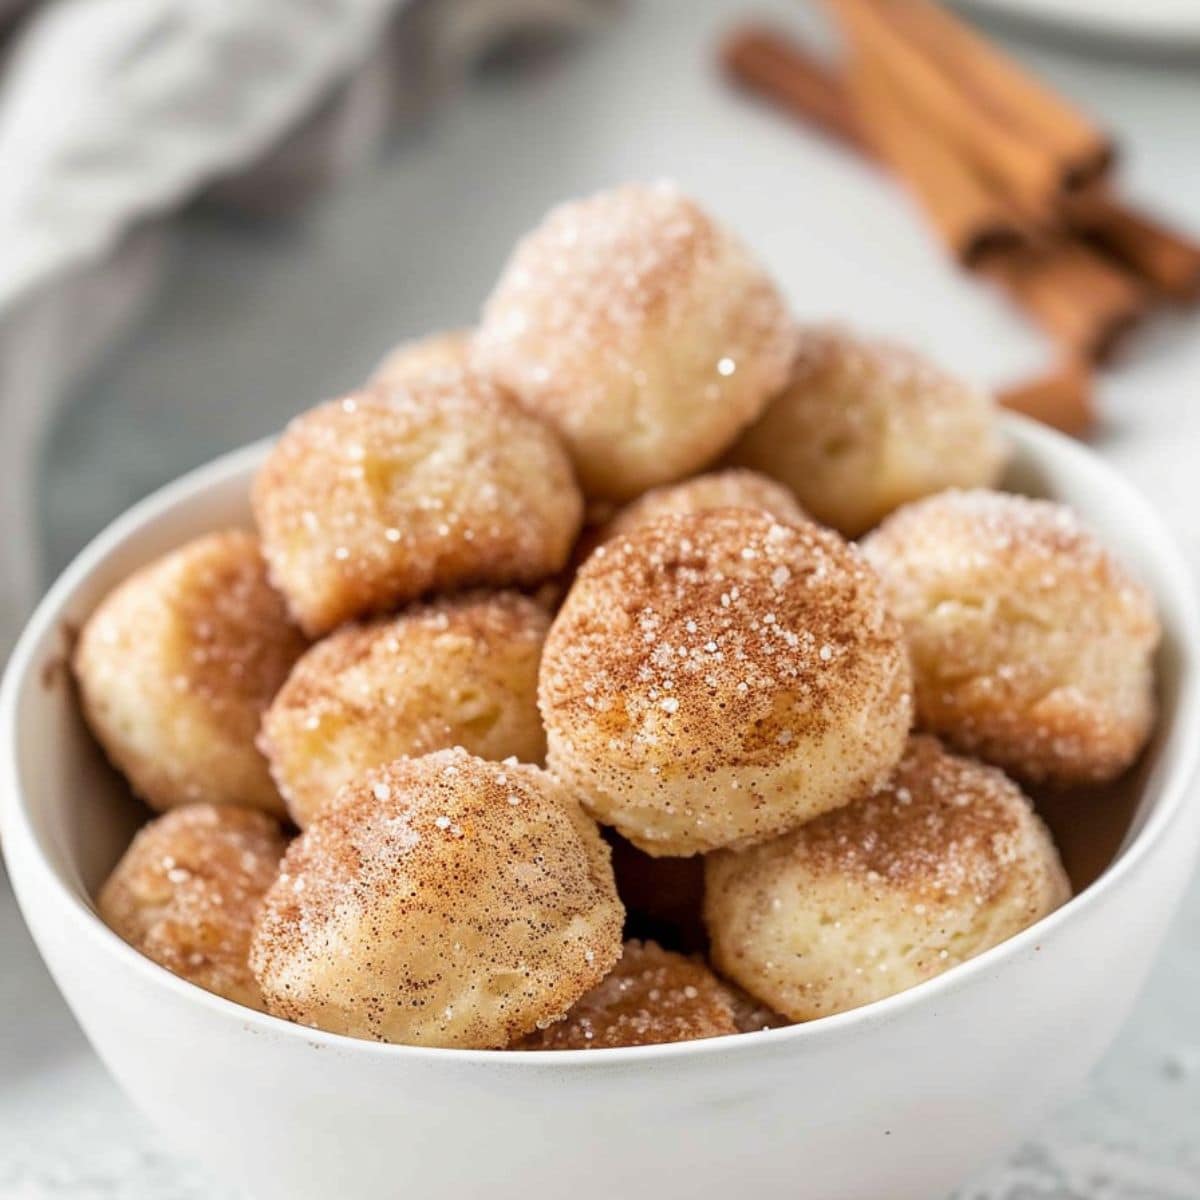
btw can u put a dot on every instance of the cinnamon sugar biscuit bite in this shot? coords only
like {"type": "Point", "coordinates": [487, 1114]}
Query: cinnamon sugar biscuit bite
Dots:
{"type": "Point", "coordinates": [945, 861]}
{"type": "Point", "coordinates": [716, 678]}
{"type": "Point", "coordinates": [1031, 645]}
{"type": "Point", "coordinates": [441, 901]}
{"type": "Point", "coordinates": [864, 426]}
{"type": "Point", "coordinates": [415, 360]}
{"type": "Point", "coordinates": [731, 488]}
{"type": "Point", "coordinates": [457, 672]}
{"type": "Point", "coordinates": [187, 890]}
{"type": "Point", "coordinates": [642, 330]}
{"type": "Point", "coordinates": [177, 665]}
{"type": "Point", "coordinates": [373, 500]}
{"type": "Point", "coordinates": [651, 996]}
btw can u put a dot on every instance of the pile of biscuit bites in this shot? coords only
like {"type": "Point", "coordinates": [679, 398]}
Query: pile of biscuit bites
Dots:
{"type": "Point", "coordinates": [588, 565]}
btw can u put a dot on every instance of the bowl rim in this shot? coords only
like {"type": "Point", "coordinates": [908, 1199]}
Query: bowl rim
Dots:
{"type": "Point", "coordinates": [21, 843]}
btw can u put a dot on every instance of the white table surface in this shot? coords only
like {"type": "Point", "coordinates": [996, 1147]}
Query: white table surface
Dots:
{"type": "Point", "coordinates": [258, 322]}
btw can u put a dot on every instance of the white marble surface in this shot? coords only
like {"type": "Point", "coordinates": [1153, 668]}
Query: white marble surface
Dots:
{"type": "Point", "coordinates": [258, 322]}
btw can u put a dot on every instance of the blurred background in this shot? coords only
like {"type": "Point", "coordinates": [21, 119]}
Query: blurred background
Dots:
{"type": "Point", "coordinates": [215, 213]}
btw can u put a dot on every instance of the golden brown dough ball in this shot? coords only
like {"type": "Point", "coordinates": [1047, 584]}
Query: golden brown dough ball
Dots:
{"type": "Point", "coordinates": [441, 901]}
{"type": "Point", "coordinates": [187, 890]}
{"type": "Point", "coordinates": [731, 488]}
{"type": "Point", "coordinates": [716, 678]}
{"type": "Point", "coordinates": [1031, 646]}
{"type": "Point", "coordinates": [652, 996]}
{"type": "Point", "coordinates": [457, 672]}
{"type": "Point", "coordinates": [176, 667]}
{"type": "Point", "coordinates": [415, 360]}
{"type": "Point", "coordinates": [864, 426]}
{"type": "Point", "coordinates": [642, 330]}
{"type": "Point", "coordinates": [944, 862]}
{"type": "Point", "coordinates": [371, 501]}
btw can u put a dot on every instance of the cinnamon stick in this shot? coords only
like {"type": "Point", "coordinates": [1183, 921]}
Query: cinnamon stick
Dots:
{"type": "Point", "coordinates": [1084, 151]}
{"type": "Point", "coordinates": [1026, 170]}
{"type": "Point", "coordinates": [972, 219]}
{"type": "Point", "coordinates": [1084, 302]}
{"type": "Point", "coordinates": [1062, 399]}
{"type": "Point", "coordinates": [774, 67]}
{"type": "Point", "coordinates": [1167, 259]}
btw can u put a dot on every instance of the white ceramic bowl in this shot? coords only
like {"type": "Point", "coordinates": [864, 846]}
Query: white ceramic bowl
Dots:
{"type": "Point", "coordinates": [899, 1099]}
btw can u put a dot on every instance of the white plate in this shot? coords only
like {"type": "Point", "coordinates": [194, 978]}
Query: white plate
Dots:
{"type": "Point", "coordinates": [1157, 21]}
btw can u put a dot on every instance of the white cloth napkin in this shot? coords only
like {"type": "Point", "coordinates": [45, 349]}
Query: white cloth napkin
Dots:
{"type": "Point", "coordinates": [115, 112]}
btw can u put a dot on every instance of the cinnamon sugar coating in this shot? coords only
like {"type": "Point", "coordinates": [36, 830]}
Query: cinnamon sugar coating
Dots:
{"type": "Point", "coordinates": [731, 488]}
{"type": "Point", "coordinates": [456, 672]}
{"type": "Point", "coordinates": [441, 901]}
{"type": "Point", "coordinates": [716, 678]}
{"type": "Point", "coordinates": [187, 890]}
{"type": "Point", "coordinates": [945, 861]}
{"type": "Point", "coordinates": [176, 666]}
{"type": "Point", "coordinates": [371, 501]}
{"type": "Point", "coordinates": [865, 425]}
{"type": "Point", "coordinates": [641, 330]}
{"type": "Point", "coordinates": [650, 997]}
{"type": "Point", "coordinates": [414, 361]}
{"type": "Point", "coordinates": [1032, 647]}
